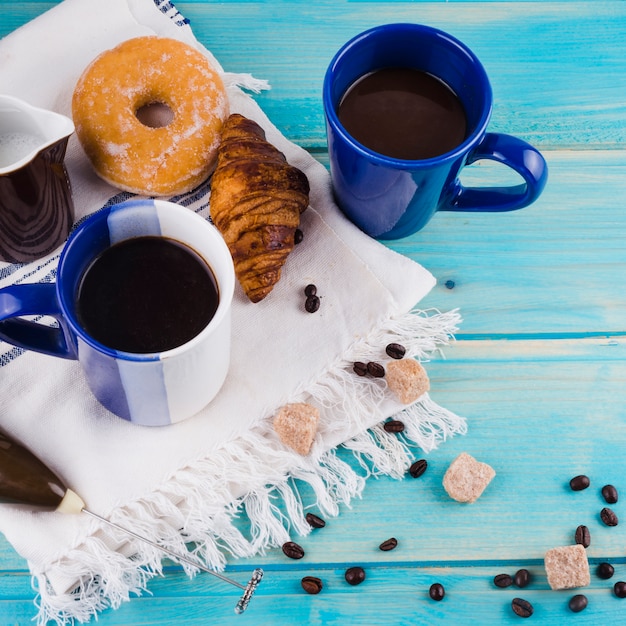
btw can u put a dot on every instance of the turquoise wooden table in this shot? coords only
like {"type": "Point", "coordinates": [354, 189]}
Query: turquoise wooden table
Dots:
{"type": "Point", "coordinates": [539, 365]}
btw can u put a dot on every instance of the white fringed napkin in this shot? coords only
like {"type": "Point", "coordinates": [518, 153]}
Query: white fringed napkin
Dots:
{"type": "Point", "coordinates": [182, 483]}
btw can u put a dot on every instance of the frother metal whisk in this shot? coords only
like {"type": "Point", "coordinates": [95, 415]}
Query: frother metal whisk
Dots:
{"type": "Point", "coordinates": [248, 590]}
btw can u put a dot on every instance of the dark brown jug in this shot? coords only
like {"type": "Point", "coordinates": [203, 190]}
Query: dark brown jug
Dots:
{"type": "Point", "coordinates": [36, 207]}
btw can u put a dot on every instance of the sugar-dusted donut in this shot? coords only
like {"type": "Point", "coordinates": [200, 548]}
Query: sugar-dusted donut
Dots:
{"type": "Point", "coordinates": [159, 157]}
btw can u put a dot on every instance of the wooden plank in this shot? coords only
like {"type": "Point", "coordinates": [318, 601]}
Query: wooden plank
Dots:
{"type": "Point", "coordinates": [554, 268]}
{"type": "Point", "coordinates": [389, 595]}
{"type": "Point", "coordinates": [16, 14]}
{"type": "Point", "coordinates": [548, 67]}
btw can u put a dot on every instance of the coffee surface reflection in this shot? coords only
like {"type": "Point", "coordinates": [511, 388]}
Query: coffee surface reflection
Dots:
{"type": "Point", "coordinates": [147, 294]}
{"type": "Point", "coordinates": [403, 113]}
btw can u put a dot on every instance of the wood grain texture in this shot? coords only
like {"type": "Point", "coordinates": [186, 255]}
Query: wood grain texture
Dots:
{"type": "Point", "coordinates": [539, 365]}
{"type": "Point", "coordinates": [547, 63]}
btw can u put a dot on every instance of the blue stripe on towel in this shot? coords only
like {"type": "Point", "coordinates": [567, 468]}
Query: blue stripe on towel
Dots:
{"type": "Point", "coordinates": [167, 7]}
{"type": "Point", "coordinates": [11, 355]}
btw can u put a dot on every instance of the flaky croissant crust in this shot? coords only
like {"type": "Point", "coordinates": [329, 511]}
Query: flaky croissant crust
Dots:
{"type": "Point", "coordinates": [256, 201]}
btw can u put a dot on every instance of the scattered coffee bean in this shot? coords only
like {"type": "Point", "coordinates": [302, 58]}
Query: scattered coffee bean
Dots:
{"type": "Point", "coordinates": [582, 536]}
{"type": "Point", "coordinates": [418, 468]}
{"type": "Point", "coordinates": [609, 493]}
{"type": "Point", "coordinates": [311, 584]}
{"type": "Point", "coordinates": [437, 592]}
{"type": "Point", "coordinates": [578, 603]}
{"type": "Point", "coordinates": [608, 517]}
{"type": "Point", "coordinates": [619, 589]}
{"type": "Point", "coordinates": [395, 350]}
{"type": "Point", "coordinates": [360, 368]}
{"type": "Point", "coordinates": [522, 578]}
{"type": "Point", "coordinates": [375, 369]}
{"type": "Point", "coordinates": [310, 290]}
{"type": "Point", "coordinates": [605, 571]}
{"type": "Point", "coordinates": [388, 544]}
{"type": "Point", "coordinates": [394, 426]}
{"type": "Point", "coordinates": [315, 521]}
{"type": "Point", "coordinates": [522, 607]}
{"type": "Point", "coordinates": [578, 483]}
{"type": "Point", "coordinates": [502, 581]}
{"type": "Point", "coordinates": [298, 236]}
{"type": "Point", "coordinates": [355, 575]}
{"type": "Point", "coordinates": [372, 368]}
{"type": "Point", "coordinates": [312, 304]}
{"type": "Point", "coordinates": [293, 550]}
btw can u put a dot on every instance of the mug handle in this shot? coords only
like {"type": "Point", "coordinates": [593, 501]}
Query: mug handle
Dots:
{"type": "Point", "coordinates": [514, 153]}
{"type": "Point", "coordinates": [34, 299]}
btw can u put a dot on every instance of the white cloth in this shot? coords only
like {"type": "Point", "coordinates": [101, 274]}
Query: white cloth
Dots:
{"type": "Point", "coordinates": [182, 483]}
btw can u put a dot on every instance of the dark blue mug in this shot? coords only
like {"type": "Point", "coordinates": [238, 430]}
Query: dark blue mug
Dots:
{"type": "Point", "coordinates": [390, 198]}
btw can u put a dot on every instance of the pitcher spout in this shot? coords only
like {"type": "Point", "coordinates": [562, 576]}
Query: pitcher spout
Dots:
{"type": "Point", "coordinates": [26, 130]}
{"type": "Point", "coordinates": [36, 206]}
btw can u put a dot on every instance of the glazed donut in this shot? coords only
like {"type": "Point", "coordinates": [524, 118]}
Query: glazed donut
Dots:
{"type": "Point", "coordinates": [163, 157]}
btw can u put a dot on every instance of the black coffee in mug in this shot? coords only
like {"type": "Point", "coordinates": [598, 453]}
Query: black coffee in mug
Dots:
{"type": "Point", "coordinates": [403, 113]}
{"type": "Point", "coordinates": [146, 294]}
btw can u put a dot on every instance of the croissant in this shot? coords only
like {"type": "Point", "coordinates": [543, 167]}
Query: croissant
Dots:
{"type": "Point", "coordinates": [256, 202]}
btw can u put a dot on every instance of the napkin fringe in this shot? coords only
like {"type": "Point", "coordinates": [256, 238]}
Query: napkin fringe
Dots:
{"type": "Point", "coordinates": [202, 504]}
{"type": "Point", "coordinates": [245, 81]}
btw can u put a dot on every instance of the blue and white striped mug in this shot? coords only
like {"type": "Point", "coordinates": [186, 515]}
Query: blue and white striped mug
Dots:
{"type": "Point", "coordinates": [151, 389]}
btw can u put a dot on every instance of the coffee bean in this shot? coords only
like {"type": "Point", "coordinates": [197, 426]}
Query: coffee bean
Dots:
{"type": "Point", "coordinates": [608, 517]}
{"type": "Point", "coordinates": [315, 521]}
{"type": "Point", "coordinates": [375, 369]}
{"type": "Point", "coordinates": [578, 483]}
{"type": "Point", "coordinates": [394, 426]}
{"type": "Point", "coordinates": [293, 550]}
{"type": "Point", "coordinates": [522, 578]}
{"type": "Point", "coordinates": [360, 368]}
{"type": "Point", "coordinates": [312, 304]}
{"type": "Point", "coordinates": [582, 536]}
{"type": "Point", "coordinates": [395, 350]}
{"type": "Point", "coordinates": [522, 607]}
{"type": "Point", "coordinates": [310, 290]}
{"type": "Point", "coordinates": [502, 580]}
{"type": "Point", "coordinates": [418, 468]}
{"type": "Point", "coordinates": [388, 544]}
{"type": "Point", "coordinates": [355, 575]}
{"type": "Point", "coordinates": [311, 584]}
{"type": "Point", "coordinates": [619, 589]}
{"type": "Point", "coordinates": [298, 236]}
{"type": "Point", "coordinates": [578, 603]}
{"type": "Point", "coordinates": [436, 591]}
{"type": "Point", "coordinates": [609, 493]}
{"type": "Point", "coordinates": [605, 571]}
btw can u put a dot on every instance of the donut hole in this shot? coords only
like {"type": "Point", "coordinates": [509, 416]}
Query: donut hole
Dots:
{"type": "Point", "coordinates": [155, 114]}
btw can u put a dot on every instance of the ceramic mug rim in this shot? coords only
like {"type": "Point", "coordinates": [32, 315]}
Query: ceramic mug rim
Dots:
{"type": "Point", "coordinates": [225, 284]}
{"type": "Point", "coordinates": [347, 49]}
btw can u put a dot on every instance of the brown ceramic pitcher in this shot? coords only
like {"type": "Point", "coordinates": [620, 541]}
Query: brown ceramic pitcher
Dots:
{"type": "Point", "coordinates": [36, 208]}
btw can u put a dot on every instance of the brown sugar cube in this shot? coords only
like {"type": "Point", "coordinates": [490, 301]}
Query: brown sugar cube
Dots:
{"type": "Point", "coordinates": [467, 478]}
{"type": "Point", "coordinates": [567, 567]}
{"type": "Point", "coordinates": [407, 379]}
{"type": "Point", "coordinates": [296, 425]}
